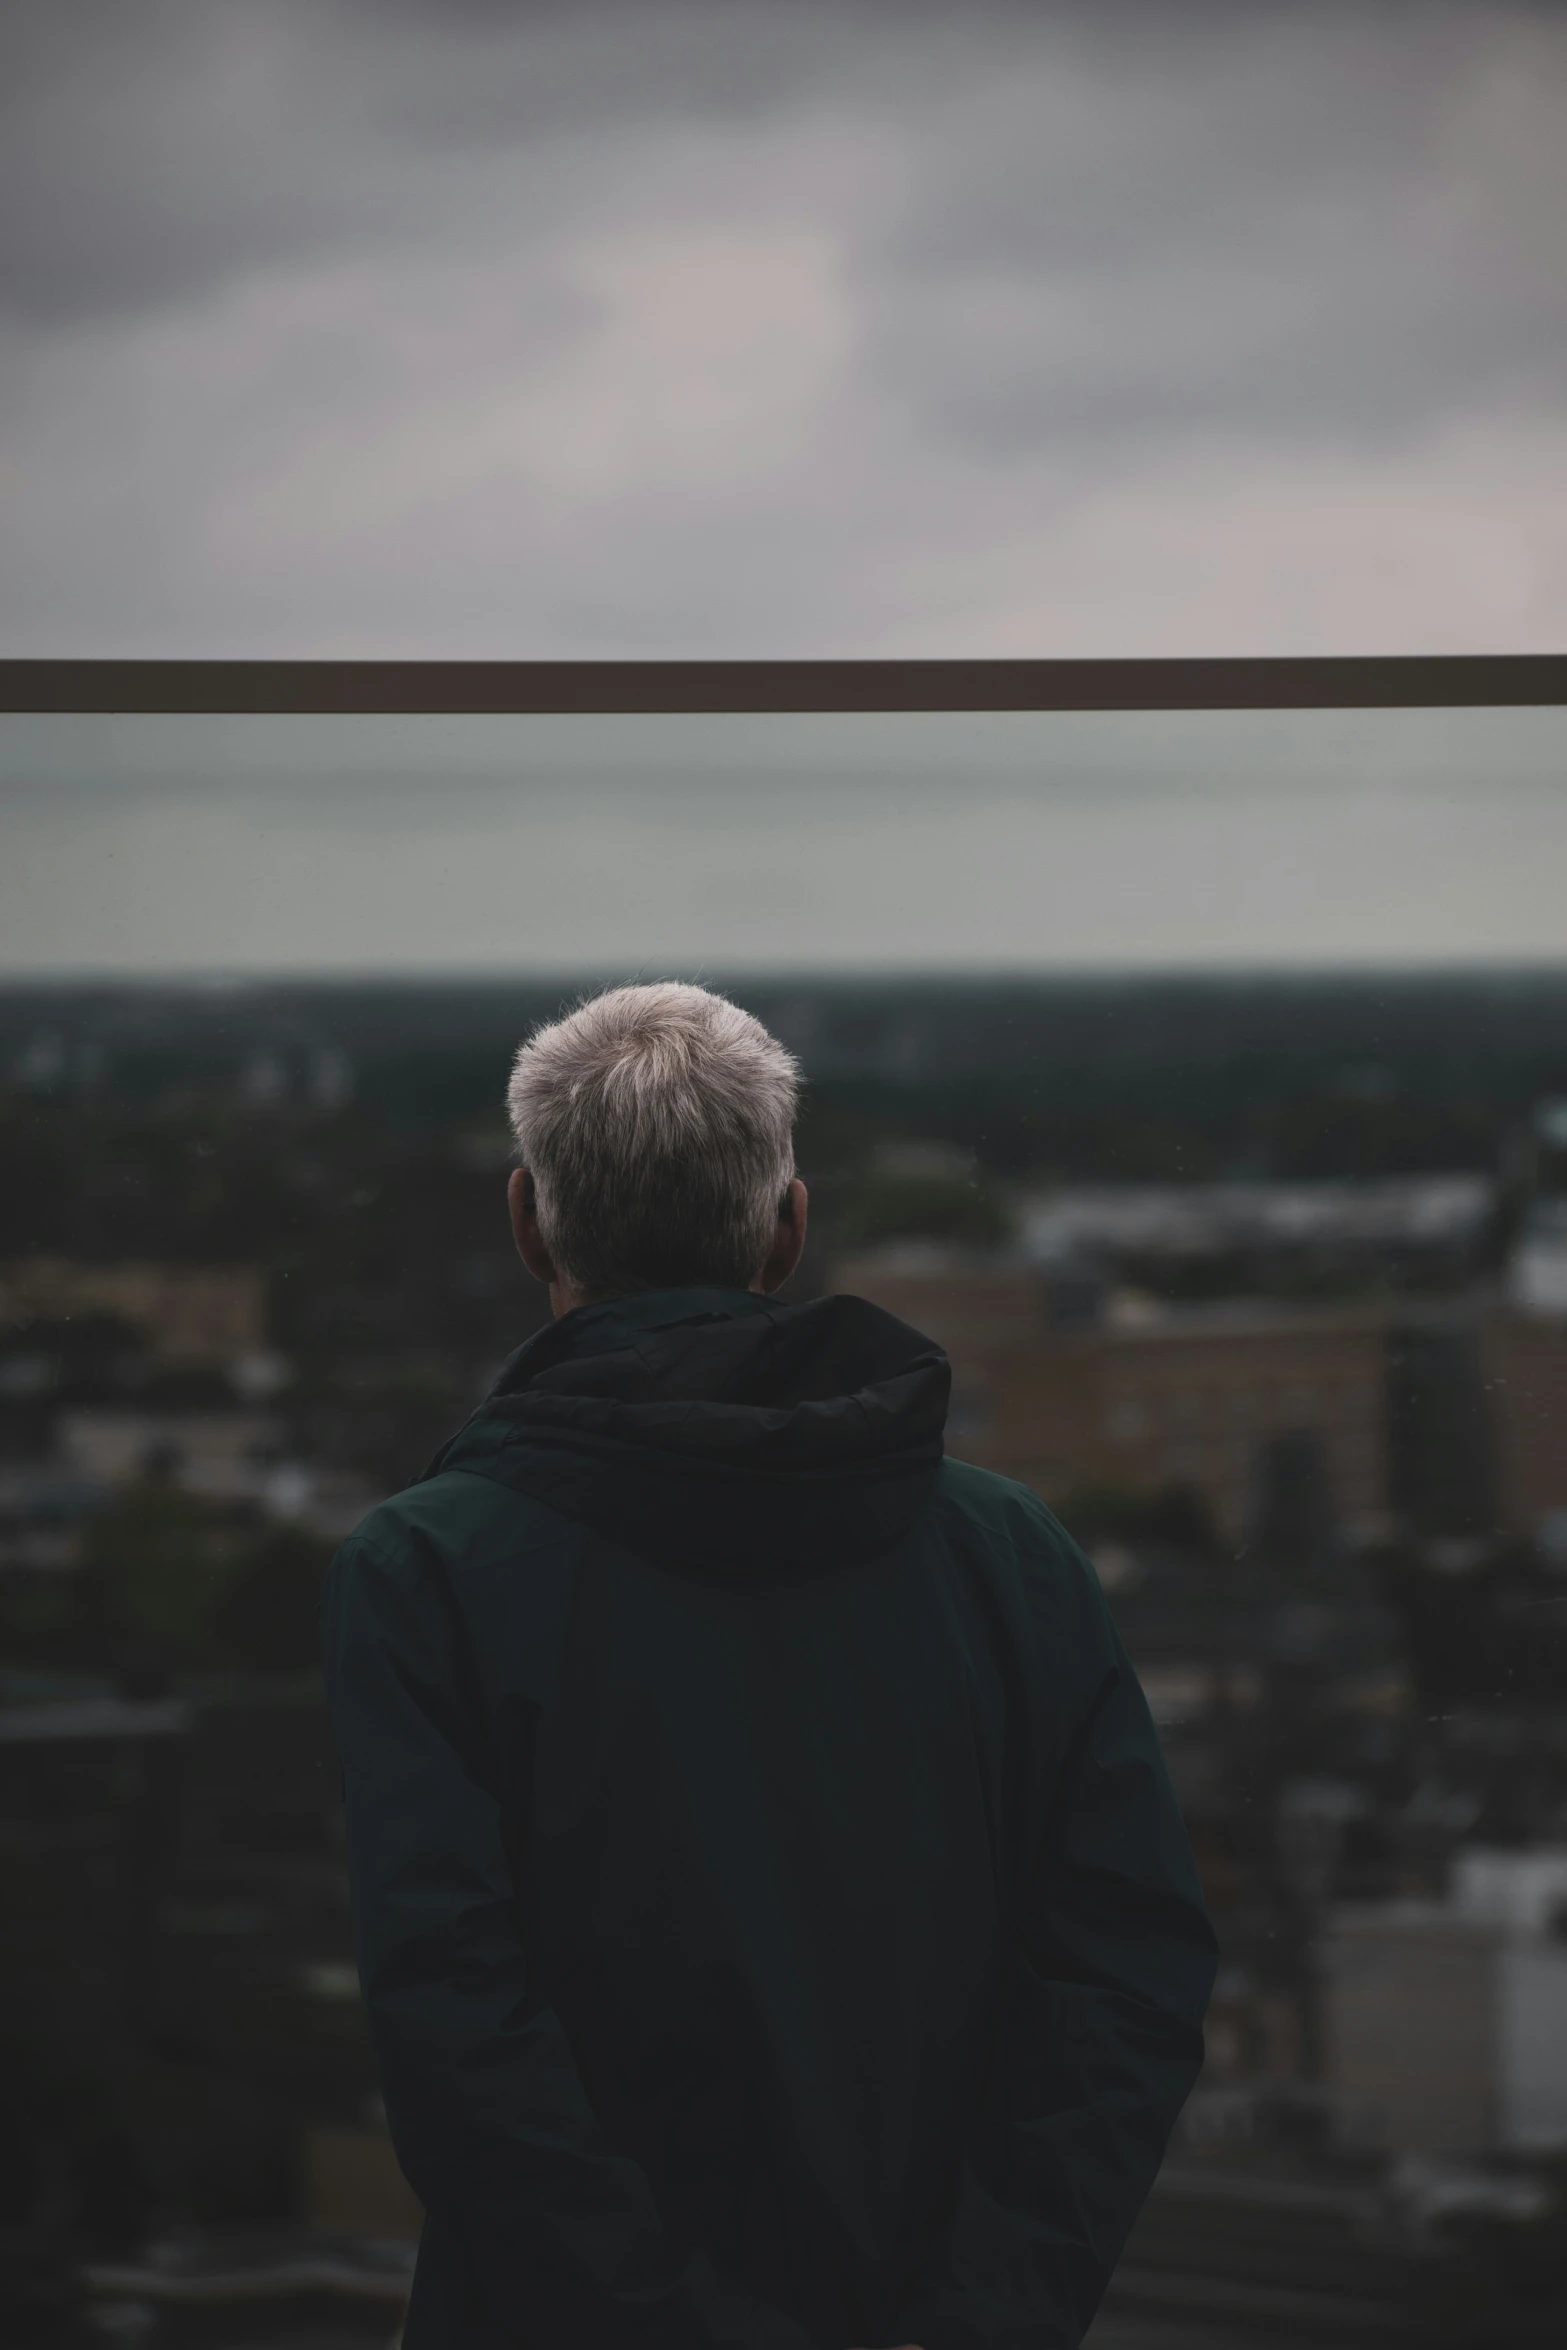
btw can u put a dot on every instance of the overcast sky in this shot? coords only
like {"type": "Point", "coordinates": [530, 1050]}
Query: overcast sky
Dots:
{"type": "Point", "coordinates": [469, 327]}
{"type": "Point", "coordinates": [1010, 841]}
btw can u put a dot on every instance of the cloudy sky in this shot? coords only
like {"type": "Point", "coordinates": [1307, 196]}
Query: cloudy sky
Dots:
{"type": "Point", "coordinates": [1002, 841]}
{"type": "Point", "coordinates": [715, 327]}
{"type": "Point", "coordinates": [769, 326]}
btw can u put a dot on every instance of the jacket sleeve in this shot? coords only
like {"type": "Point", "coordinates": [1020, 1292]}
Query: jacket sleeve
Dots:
{"type": "Point", "coordinates": [1098, 2042]}
{"type": "Point", "coordinates": [555, 2237]}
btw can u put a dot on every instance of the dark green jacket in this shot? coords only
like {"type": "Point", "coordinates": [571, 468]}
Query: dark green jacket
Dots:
{"type": "Point", "coordinates": [773, 1915]}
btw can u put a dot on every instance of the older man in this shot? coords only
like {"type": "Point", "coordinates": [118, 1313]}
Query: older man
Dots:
{"type": "Point", "coordinates": [775, 1922]}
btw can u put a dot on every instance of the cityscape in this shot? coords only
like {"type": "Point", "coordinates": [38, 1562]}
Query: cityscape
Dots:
{"type": "Point", "coordinates": [1269, 1303]}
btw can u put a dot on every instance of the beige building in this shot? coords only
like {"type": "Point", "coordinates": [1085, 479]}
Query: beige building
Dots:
{"type": "Point", "coordinates": [212, 1314]}
{"type": "Point", "coordinates": [224, 1455]}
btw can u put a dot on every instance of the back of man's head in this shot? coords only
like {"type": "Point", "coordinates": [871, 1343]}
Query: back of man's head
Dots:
{"type": "Point", "coordinates": [657, 1124]}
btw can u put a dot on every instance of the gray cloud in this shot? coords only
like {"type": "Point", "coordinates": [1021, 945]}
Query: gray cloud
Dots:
{"type": "Point", "coordinates": [679, 327]}
{"type": "Point", "coordinates": [1320, 226]}
{"type": "Point", "coordinates": [150, 158]}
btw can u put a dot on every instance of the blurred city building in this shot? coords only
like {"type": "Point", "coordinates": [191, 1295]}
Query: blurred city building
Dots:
{"type": "Point", "coordinates": [1447, 2021]}
{"type": "Point", "coordinates": [1444, 1414]}
{"type": "Point", "coordinates": [209, 1314]}
{"type": "Point", "coordinates": [183, 2041]}
{"type": "Point", "coordinates": [1537, 1274]}
{"type": "Point", "coordinates": [1432, 1223]}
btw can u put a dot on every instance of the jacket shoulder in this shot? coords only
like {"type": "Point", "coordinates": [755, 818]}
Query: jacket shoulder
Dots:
{"type": "Point", "coordinates": [447, 1512]}
{"type": "Point", "coordinates": [457, 1522]}
{"type": "Point", "coordinates": [458, 1556]}
{"type": "Point", "coordinates": [436, 1512]}
{"type": "Point", "coordinates": [1005, 1510]}
{"type": "Point", "coordinates": [1006, 1534]}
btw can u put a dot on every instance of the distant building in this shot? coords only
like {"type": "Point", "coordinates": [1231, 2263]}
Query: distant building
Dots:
{"type": "Point", "coordinates": [1141, 1400]}
{"type": "Point", "coordinates": [42, 1512]}
{"type": "Point", "coordinates": [1524, 1361]}
{"type": "Point", "coordinates": [1199, 1399]}
{"type": "Point", "coordinates": [224, 1455]}
{"type": "Point", "coordinates": [1447, 2021]}
{"type": "Point", "coordinates": [1447, 1418]}
{"type": "Point", "coordinates": [196, 1314]}
{"type": "Point", "coordinates": [1537, 1269]}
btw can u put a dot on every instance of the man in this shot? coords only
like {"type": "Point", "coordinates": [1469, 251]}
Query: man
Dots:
{"type": "Point", "coordinates": [775, 1923]}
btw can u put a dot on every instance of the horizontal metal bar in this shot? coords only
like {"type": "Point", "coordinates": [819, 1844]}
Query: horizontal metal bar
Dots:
{"type": "Point", "coordinates": [1350, 681]}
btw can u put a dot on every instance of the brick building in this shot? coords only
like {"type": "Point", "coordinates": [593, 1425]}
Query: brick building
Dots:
{"type": "Point", "coordinates": [1524, 1361]}
{"type": "Point", "coordinates": [1140, 1397]}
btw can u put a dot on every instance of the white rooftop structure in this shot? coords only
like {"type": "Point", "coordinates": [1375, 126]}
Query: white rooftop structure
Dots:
{"type": "Point", "coordinates": [1526, 1892]}
{"type": "Point", "coordinates": [1204, 1219]}
{"type": "Point", "coordinates": [1447, 2021]}
{"type": "Point", "coordinates": [1537, 1271]}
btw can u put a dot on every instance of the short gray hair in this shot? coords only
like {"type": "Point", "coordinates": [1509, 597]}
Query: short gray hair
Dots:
{"type": "Point", "coordinates": [657, 1124]}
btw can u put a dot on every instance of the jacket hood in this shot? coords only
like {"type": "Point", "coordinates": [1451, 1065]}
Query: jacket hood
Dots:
{"type": "Point", "coordinates": [719, 1430]}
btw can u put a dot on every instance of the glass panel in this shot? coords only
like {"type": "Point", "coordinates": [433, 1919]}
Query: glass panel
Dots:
{"type": "Point", "coordinates": [1017, 841]}
{"type": "Point", "coordinates": [1199, 1081]}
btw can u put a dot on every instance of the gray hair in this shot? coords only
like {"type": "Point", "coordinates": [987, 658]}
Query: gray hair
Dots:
{"type": "Point", "coordinates": [657, 1124]}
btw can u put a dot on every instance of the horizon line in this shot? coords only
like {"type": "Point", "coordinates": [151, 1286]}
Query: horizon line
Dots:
{"type": "Point", "coordinates": [820, 975]}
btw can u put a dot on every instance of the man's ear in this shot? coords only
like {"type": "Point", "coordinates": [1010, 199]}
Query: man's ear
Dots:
{"type": "Point", "coordinates": [521, 1200]}
{"type": "Point", "coordinates": [789, 1240]}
